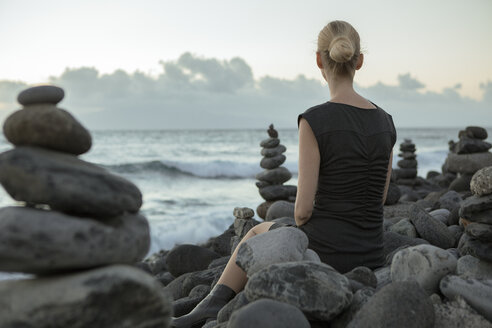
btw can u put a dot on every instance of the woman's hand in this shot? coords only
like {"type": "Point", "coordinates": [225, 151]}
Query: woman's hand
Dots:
{"type": "Point", "coordinates": [309, 160]}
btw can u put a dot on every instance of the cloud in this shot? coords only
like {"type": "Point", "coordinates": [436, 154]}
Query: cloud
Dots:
{"type": "Point", "coordinates": [195, 92]}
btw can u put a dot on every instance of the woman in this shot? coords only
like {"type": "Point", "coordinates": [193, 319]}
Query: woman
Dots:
{"type": "Point", "coordinates": [345, 152]}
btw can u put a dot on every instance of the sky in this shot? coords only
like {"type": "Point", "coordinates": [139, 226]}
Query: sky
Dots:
{"type": "Point", "coordinates": [243, 64]}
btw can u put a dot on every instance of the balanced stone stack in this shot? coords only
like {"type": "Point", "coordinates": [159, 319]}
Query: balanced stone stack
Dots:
{"type": "Point", "coordinates": [476, 216]}
{"type": "Point", "coordinates": [406, 174]}
{"type": "Point", "coordinates": [271, 180]}
{"type": "Point", "coordinates": [467, 156]}
{"type": "Point", "coordinates": [73, 216]}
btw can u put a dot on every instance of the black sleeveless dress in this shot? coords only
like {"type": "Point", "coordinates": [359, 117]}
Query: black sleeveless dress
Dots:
{"type": "Point", "coordinates": [346, 226]}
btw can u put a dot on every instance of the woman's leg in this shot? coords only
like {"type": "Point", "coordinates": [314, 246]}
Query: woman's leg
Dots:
{"type": "Point", "coordinates": [233, 276]}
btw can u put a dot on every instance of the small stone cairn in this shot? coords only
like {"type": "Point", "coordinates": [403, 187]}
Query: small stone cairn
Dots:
{"type": "Point", "coordinates": [271, 180]}
{"type": "Point", "coordinates": [77, 229]}
{"type": "Point", "coordinates": [467, 156]}
{"type": "Point", "coordinates": [406, 174]}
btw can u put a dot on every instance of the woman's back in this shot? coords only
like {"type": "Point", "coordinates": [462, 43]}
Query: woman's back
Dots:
{"type": "Point", "coordinates": [355, 144]}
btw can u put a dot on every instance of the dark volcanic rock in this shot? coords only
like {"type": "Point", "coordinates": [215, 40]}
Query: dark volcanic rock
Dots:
{"type": "Point", "coordinates": [470, 146]}
{"type": "Point", "coordinates": [271, 152]}
{"type": "Point", "coordinates": [49, 127]}
{"type": "Point", "coordinates": [475, 247]}
{"type": "Point", "coordinates": [275, 176]}
{"type": "Point", "coordinates": [40, 241]}
{"type": "Point", "coordinates": [431, 229]}
{"type": "Point", "coordinates": [476, 132]}
{"type": "Point", "coordinates": [43, 94]}
{"type": "Point", "coordinates": [450, 200]}
{"type": "Point", "coordinates": [393, 195]}
{"type": "Point", "coordinates": [272, 162]}
{"type": "Point", "coordinates": [316, 289]}
{"type": "Point", "coordinates": [268, 313]}
{"type": "Point", "coordinates": [189, 258]}
{"type": "Point", "coordinates": [66, 183]}
{"type": "Point", "coordinates": [278, 192]}
{"type": "Point", "coordinates": [270, 143]}
{"type": "Point", "coordinates": [468, 163]}
{"type": "Point", "coordinates": [363, 275]}
{"type": "Point", "coordinates": [399, 304]}
{"type": "Point", "coordinates": [236, 303]}
{"type": "Point", "coordinates": [397, 174]}
{"type": "Point", "coordinates": [272, 133]}
{"type": "Point", "coordinates": [360, 298]}
{"type": "Point", "coordinates": [262, 209]}
{"type": "Point", "coordinates": [477, 209]}
{"type": "Point", "coordinates": [479, 231]}
{"type": "Point", "coordinates": [222, 243]}
{"type": "Point", "coordinates": [112, 297]}
{"type": "Point", "coordinates": [280, 209]}
{"type": "Point", "coordinates": [407, 163]}
{"type": "Point", "coordinates": [393, 241]}
{"type": "Point", "coordinates": [458, 314]}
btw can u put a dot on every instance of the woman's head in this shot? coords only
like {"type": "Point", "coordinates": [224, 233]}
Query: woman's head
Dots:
{"type": "Point", "coordinates": [339, 49]}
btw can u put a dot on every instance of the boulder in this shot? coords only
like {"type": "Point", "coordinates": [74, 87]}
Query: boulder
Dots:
{"type": "Point", "coordinates": [426, 264]}
{"type": "Point", "coordinates": [268, 313]}
{"type": "Point", "coordinates": [477, 293]}
{"type": "Point", "coordinates": [42, 94]}
{"type": "Point", "coordinates": [398, 304]}
{"type": "Point", "coordinates": [468, 163]}
{"type": "Point", "coordinates": [276, 246]}
{"type": "Point", "coordinates": [470, 267]}
{"type": "Point", "coordinates": [66, 183]}
{"type": "Point", "coordinates": [279, 209]}
{"type": "Point", "coordinates": [189, 258]}
{"type": "Point", "coordinates": [275, 176]}
{"type": "Point", "coordinates": [431, 229]}
{"type": "Point", "coordinates": [316, 289]}
{"type": "Point", "coordinates": [49, 127]}
{"type": "Point", "coordinates": [112, 297]}
{"type": "Point", "coordinates": [277, 192]}
{"type": "Point", "coordinates": [41, 241]}
{"type": "Point", "coordinates": [481, 182]}
{"type": "Point", "coordinates": [272, 162]}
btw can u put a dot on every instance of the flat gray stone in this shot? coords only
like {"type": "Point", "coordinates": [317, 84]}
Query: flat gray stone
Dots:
{"type": "Point", "coordinates": [425, 264]}
{"type": "Point", "coordinates": [268, 313]}
{"type": "Point", "coordinates": [42, 94]}
{"type": "Point", "coordinates": [477, 209]}
{"type": "Point", "coordinates": [475, 247]}
{"type": "Point", "coordinates": [407, 163]}
{"type": "Point", "coordinates": [271, 152]}
{"type": "Point", "coordinates": [317, 289]}
{"type": "Point", "coordinates": [475, 292]}
{"type": "Point", "coordinates": [270, 143]}
{"type": "Point", "coordinates": [40, 241]}
{"type": "Point", "coordinates": [272, 162]}
{"type": "Point", "coordinates": [398, 304]}
{"type": "Point", "coordinates": [49, 127]}
{"type": "Point", "coordinates": [276, 246]}
{"type": "Point", "coordinates": [458, 314]}
{"type": "Point", "coordinates": [112, 297]}
{"type": "Point", "coordinates": [469, 146]}
{"type": "Point", "coordinates": [481, 182]}
{"type": "Point", "coordinates": [468, 163]}
{"type": "Point", "coordinates": [479, 231]}
{"type": "Point", "coordinates": [280, 209]}
{"type": "Point", "coordinates": [277, 192]}
{"type": "Point", "coordinates": [275, 176]}
{"type": "Point", "coordinates": [66, 183]}
{"type": "Point", "coordinates": [471, 267]}
{"type": "Point", "coordinates": [404, 227]}
{"type": "Point", "coordinates": [431, 229]}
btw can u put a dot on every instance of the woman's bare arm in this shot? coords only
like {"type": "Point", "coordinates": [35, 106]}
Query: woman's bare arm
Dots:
{"type": "Point", "coordinates": [388, 178]}
{"type": "Point", "coordinates": [309, 160]}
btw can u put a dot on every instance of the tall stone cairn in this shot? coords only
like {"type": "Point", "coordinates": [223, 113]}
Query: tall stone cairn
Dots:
{"type": "Point", "coordinates": [467, 156]}
{"type": "Point", "coordinates": [271, 180]}
{"type": "Point", "coordinates": [406, 173]}
{"type": "Point", "coordinates": [77, 229]}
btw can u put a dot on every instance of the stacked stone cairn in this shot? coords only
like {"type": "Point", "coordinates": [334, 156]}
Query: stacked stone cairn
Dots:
{"type": "Point", "coordinates": [77, 229]}
{"type": "Point", "coordinates": [271, 180]}
{"type": "Point", "coordinates": [467, 156]}
{"type": "Point", "coordinates": [406, 173]}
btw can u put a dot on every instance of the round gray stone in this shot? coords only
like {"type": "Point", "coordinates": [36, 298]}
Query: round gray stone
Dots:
{"type": "Point", "coordinates": [129, 298]}
{"type": "Point", "coordinates": [481, 182]}
{"type": "Point", "coordinates": [268, 313]}
{"type": "Point", "coordinates": [275, 176]}
{"type": "Point", "coordinates": [40, 241]}
{"type": "Point", "coordinates": [66, 183]}
{"type": "Point", "coordinates": [49, 127]}
{"type": "Point", "coordinates": [317, 289]}
{"type": "Point", "coordinates": [43, 94]}
{"type": "Point", "coordinates": [477, 293]}
{"type": "Point", "coordinates": [398, 304]}
{"type": "Point", "coordinates": [272, 162]}
{"type": "Point", "coordinates": [425, 264]}
{"type": "Point", "coordinates": [280, 209]}
{"type": "Point", "coordinates": [271, 152]}
{"type": "Point", "coordinates": [450, 200]}
{"type": "Point", "coordinates": [441, 214]}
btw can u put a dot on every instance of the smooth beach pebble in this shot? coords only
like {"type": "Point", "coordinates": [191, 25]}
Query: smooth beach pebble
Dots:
{"type": "Point", "coordinates": [40, 241]}
{"type": "Point", "coordinates": [277, 192]}
{"type": "Point", "coordinates": [49, 127]}
{"type": "Point", "coordinates": [66, 183]}
{"type": "Point", "coordinates": [43, 94]}
{"type": "Point", "coordinates": [116, 296]}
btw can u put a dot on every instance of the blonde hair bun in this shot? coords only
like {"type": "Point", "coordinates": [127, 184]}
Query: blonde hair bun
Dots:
{"type": "Point", "coordinates": [341, 49]}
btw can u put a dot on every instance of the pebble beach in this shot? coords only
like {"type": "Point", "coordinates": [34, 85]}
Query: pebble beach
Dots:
{"type": "Point", "coordinates": [83, 239]}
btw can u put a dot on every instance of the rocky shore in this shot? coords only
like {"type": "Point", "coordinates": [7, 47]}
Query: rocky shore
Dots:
{"type": "Point", "coordinates": [79, 232]}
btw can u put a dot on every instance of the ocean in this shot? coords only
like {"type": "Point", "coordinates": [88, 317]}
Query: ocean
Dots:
{"type": "Point", "coordinates": [191, 180]}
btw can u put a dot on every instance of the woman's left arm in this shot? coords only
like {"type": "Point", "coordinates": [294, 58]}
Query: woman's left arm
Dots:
{"type": "Point", "coordinates": [309, 160]}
